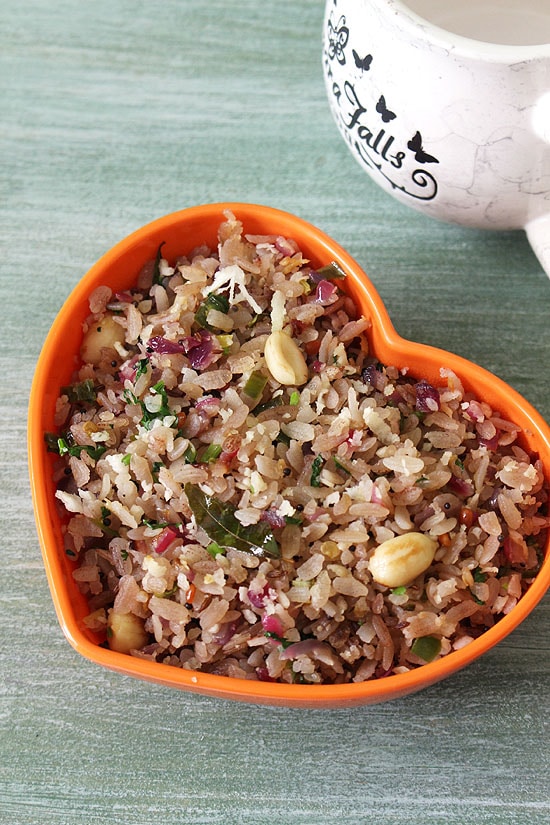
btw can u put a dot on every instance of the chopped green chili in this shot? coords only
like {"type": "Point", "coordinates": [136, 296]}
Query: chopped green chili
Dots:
{"type": "Point", "coordinates": [225, 342]}
{"type": "Point", "coordinates": [212, 301]}
{"type": "Point", "coordinates": [332, 272]}
{"type": "Point", "coordinates": [426, 647]}
{"type": "Point", "coordinates": [255, 385]}
{"type": "Point", "coordinates": [210, 454]}
{"type": "Point", "coordinates": [277, 401]}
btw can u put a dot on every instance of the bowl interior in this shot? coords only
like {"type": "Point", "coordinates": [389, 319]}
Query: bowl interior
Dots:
{"type": "Point", "coordinates": [180, 233]}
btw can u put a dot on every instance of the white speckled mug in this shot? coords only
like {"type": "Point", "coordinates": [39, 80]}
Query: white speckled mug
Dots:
{"type": "Point", "coordinates": [446, 105]}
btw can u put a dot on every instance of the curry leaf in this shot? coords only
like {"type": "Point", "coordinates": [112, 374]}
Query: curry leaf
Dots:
{"type": "Point", "coordinates": [156, 267]}
{"type": "Point", "coordinates": [83, 391]}
{"type": "Point", "coordinates": [217, 519]}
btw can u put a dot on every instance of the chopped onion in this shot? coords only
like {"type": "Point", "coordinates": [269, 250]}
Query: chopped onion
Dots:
{"type": "Point", "coordinates": [286, 246]}
{"type": "Point", "coordinates": [375, 377]}
{"type": "Point", "coordinates": [127, 372]}
{"type": "Point", "coordinates": [427, 397]}
{"type": "Point", "coordinates": [263, 675]}
{"type": "Point", "coordinates": [272, 624]}
{"type": "Point", "coordinates": [309, 647]}
{"type": "Point", "coordinates": [165, 539]}
{"type": "Point", "coordinates": [199, 348]}
{"type": "Point", "coordinates": [225, 633]}
{"type": "Point", "coordinates": [258, 598]}
{"type": "Point", "coordinates": [208, 406]}
{"type": "Point", "coordinates": [460, 486]}
{"type": "Point", "coordinates": [273, 518]}
{"type": "Point", "coordinates": [326, 293]}
{"type": "Point", "coordinates": [164, 346]}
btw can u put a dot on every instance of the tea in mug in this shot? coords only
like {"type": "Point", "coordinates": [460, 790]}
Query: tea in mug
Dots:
{"type": "Point", "coordinates": [508, 22]}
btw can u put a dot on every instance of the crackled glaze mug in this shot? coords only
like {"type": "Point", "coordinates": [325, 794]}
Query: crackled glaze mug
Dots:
{"type": "Point", "coordinates": [446, 105]}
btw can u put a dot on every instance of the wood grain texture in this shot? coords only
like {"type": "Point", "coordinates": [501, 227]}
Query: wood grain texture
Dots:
{"type": "Point", "coordinates": [113, 113]}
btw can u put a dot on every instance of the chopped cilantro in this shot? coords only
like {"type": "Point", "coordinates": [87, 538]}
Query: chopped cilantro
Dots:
{"type": "Point", "coordinates": [141, 367]}
{"type": "Point", "coordinates": [282, 641]}
{"type": "Point", "coordinates": [149, 416]}
{"type": "Point", "coordinates": [316, 467]}
{"type": "Point", "coordinates": [340, 465]}
{"type": "Point", "coordinates": [129, 397]}
{"type": "Point", "coordinates": [154, 525]}
{"type": "Point", "coordinates": [63, 446]}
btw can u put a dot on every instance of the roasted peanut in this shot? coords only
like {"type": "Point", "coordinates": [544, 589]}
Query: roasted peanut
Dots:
{"type": "Point", "coordinates": [125, 632]}
{"type": "Point", "coordinates": [101, 335]}
{"type": "Point", "coordinates": [285, 360]}
{"type": "Point", "coordinates": [396, 562]}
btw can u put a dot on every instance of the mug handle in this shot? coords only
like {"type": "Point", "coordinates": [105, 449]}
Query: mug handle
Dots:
{"type": "Point", "coordinates": [538, 235]}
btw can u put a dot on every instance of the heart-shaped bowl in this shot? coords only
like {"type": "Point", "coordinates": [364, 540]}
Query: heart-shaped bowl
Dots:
{"type": "Point", "coordinates": [118, 268]}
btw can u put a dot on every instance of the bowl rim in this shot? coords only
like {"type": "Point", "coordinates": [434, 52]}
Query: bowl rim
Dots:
{"type": "Point", "coordinates": [383, 337]}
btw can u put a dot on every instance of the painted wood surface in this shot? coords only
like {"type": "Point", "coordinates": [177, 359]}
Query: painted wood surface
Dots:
{"type": "Point", "coordinates": [113, 113]}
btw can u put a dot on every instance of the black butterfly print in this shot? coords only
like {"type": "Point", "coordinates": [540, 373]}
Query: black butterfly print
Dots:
{"type": "Point", "coordinates": [338, 37]}
{"type": "Point", "coordinates": [415, 145]}
{"type": "Point", "coordinates": [362, 63]}
{"type": "Point", "coordinates": [385, 113]}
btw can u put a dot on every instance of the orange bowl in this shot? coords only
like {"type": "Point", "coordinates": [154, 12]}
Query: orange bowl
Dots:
{"type": "Point", "coordinates": [118, 268]}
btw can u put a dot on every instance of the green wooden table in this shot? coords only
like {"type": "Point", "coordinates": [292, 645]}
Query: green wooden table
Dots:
{"type": "Point", "coordinates": [113, 113]}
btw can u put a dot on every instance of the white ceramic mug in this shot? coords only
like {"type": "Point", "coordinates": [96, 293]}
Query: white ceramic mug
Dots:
{"type": "Point", "coordinates": [446, 105]}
